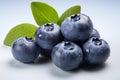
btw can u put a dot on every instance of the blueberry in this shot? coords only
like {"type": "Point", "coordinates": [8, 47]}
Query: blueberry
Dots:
{"type": "Point", "coordinates": [67, 55]}
{"type": "Point", "coordinates": [96, 51]}
{"type": "Point", "coordinates": [25, 50]}
{"type": "Point", "coordinates": [95, 33]}
{"type": "Point", "coordinates": [77, 28]}
{"type": "Point", "coordinates": [47, 36]}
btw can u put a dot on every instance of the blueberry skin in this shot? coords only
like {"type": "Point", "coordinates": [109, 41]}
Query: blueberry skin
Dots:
{"type": "Point", "coordinates": [47, 36]}
{"type": "Point", "coordinates": [25, 50]}
{"type": "Point", "coordinates": [96, 51]}
{"type": "Point", "coordinates": [95, 33]}
{"type": "Point", "coordinates": [67, 56]}
{"type": "Point", "coordinates": [77, 28]}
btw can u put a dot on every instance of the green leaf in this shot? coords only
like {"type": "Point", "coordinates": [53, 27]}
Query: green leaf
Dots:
{"type": "Point", "coordinates": [20, 30]}
{"type": "Point", "coordinates": [72, 10]}
{"type": "Point", "coordinates": [43, 13]}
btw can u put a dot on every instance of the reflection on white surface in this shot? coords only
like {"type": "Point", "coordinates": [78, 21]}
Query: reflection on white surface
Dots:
{"type": "Point", "coordinates": [105, 15]}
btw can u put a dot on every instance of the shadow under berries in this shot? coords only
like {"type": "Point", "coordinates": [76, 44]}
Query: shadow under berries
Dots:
{"type": "Point", "coordinates": [42, 60]}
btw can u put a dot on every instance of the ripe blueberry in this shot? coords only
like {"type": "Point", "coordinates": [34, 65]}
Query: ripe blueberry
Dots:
{"type": "Point", "coordinates": [95, 33]}
{"type": "Point", "coordinates": [77, 28]}
{"type": "Point", "coordinates": [67, 55]}
{"type": "Point", "coordinates": [47, 36]}
{"type": "Point", "coordinates": [96, 51]}
{"type": "Point", "coordinates": [25, 50]}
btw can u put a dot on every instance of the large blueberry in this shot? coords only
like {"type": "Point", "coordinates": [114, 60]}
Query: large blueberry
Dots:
{"type": "Point", "coordinates": [67, 55]}
{"type": "Point", "coordinates": [47, 36]}
{"type": "Point", "coordinates": [95, 33]}
{"type": "Point", "coordinates": [77, 28]}
{"type": "Point", "coordinates": [25, 50]}
{"type": "Point", "coordinates": [96, 51]}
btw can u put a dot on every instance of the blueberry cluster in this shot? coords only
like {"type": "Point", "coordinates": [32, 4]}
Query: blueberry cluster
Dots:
{"type": "Point", "coordinates": [75, 42]}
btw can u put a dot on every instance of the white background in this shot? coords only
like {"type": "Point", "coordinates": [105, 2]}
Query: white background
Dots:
{"type": "Point", "coordinates": [105, 15]}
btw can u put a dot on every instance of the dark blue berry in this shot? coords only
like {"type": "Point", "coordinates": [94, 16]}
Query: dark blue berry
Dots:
{"type": "Point", "coordinates": [67, 55]}
{"type": "Point", "coordinates": [96, 51]}
{"type": "Point", "coordinates": [25, 50]}
{"type": "Point", "coordinates": [77, 28]}
{"type": "Point", "coordinates": [47, 36]}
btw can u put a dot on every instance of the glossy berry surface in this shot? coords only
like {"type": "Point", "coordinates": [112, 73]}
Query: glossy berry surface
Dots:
{"type": "Point", "coordinates": [77, 28]}
{"type": "Point", "coordinates": [47, 36]}
{"type": "Point", "coordinates": [96, 51]}
{"type": "Point", "coordinates": [67, 55]}
{"type": "Point", "coordinates": [25, 50]}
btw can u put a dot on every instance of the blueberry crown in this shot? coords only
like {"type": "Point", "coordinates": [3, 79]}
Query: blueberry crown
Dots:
{"type": "Point", "coordinates": [68, 46]}
{"type": "Point", "coordinates": [97, 41]}
{"type": "Point", "coordinates": [49, 27]}
{"type": "Point", "coordinates": [75, 17]}
{"type": "Point", "coordinates": [28, 38]}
